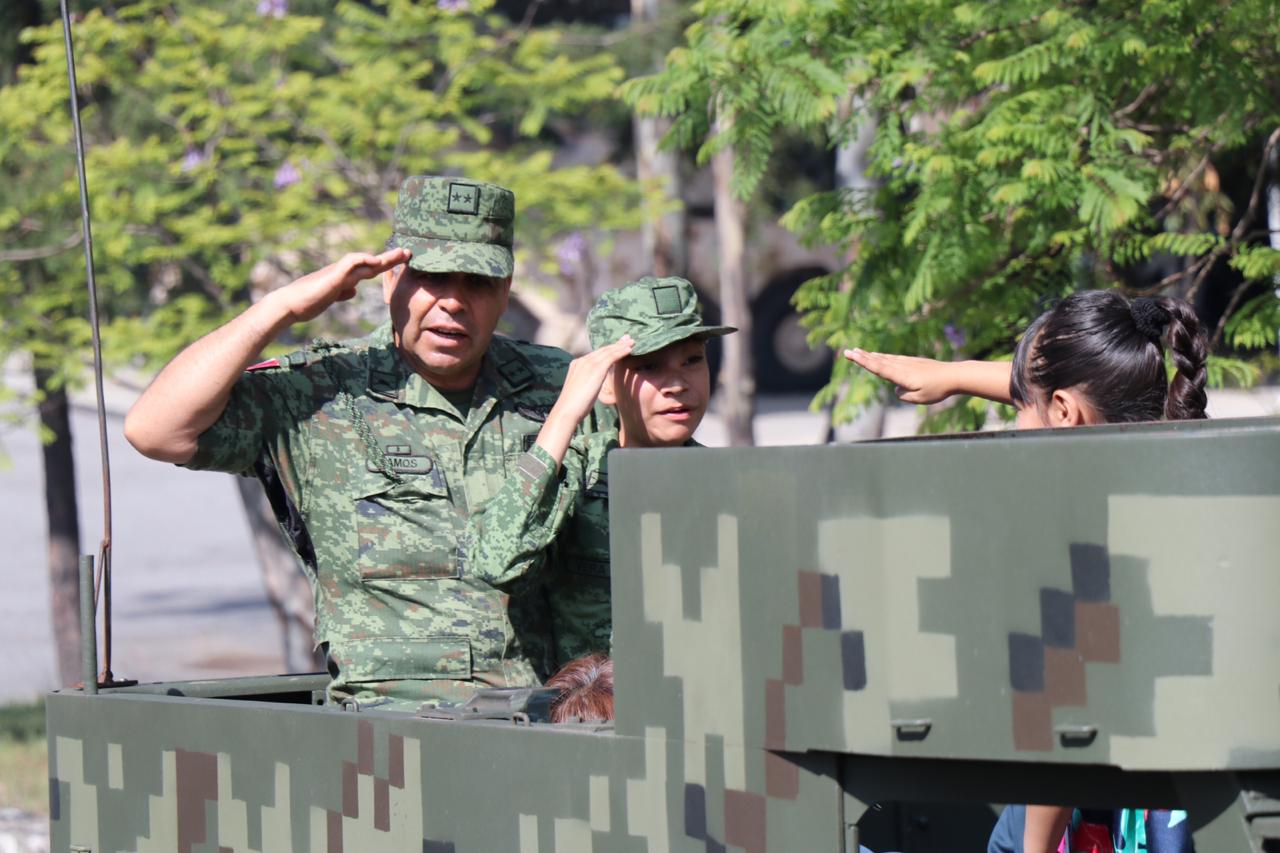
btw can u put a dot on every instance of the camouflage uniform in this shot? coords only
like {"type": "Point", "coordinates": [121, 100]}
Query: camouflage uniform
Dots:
{"type": "Point", "coordinates": [374, 474]}
{"type": "Point", "coordinates": [565, 513]}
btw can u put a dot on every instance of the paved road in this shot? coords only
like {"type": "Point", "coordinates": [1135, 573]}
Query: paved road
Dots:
{"type": "Point", "coordinates": [188, 599]}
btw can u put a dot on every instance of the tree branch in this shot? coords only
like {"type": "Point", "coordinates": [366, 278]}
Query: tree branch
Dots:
{"type": "Point", "coordinates": [519, 32]}
{"type": "Point", "coordinates": [1180, 193]}
{"type": "Point", "coordinates": [970, 40]}
{"type": "Point", "coordinates": [1147, 92]}
{"type": "Point", "coordinates": [614, 38]}
{"type": "Point", "coordinates": [1160, 285]}
{"type": "Point", "coordinates": [207, 284]}
{"type": "Point", "coordinates": [1258, 182]}
{"type": "Point", "coordinates": [1238, 233]}
{"type": "Point", "coordinates": [1232, 304]}
{"type": "Point", "coordinates": [37, 253]}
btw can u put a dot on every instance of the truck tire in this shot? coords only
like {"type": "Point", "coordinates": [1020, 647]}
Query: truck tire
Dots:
{"type": "Point", "coordinates": [715, 346]}
{"type": "Point", "coordinates": [784, 360]}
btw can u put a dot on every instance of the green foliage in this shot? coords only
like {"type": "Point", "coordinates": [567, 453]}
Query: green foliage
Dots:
{"type": "Point", "coordinates": [1022, 150]}
{"type": "Point", "coordinates": [1225, 371]}
{"type": "Point", "coordinates": [1254, 324]}
{"type": "Point", "coordinates": [22, 722]}
{"type": "Point", "coordinates": [227, 148]}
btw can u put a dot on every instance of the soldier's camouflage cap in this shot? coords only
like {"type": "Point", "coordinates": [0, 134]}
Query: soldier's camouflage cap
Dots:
{"type": "Point", "coordinates": [656, 312]}
{"type": "Point", "coordinates": [455, 225]}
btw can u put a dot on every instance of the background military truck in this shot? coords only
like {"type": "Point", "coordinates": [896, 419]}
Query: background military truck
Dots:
{"type": "Point", "coordinates": [1084, 617]}
{"type": "Point", "coordinates": [549, 305]}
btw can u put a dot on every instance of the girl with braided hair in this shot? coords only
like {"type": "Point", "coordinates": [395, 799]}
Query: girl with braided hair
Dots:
{"type": "Point", "coordinates": [1094, 358]}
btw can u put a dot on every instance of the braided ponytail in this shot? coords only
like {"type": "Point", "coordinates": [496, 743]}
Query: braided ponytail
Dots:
{"type": "Point", "coordinates": [1111, 349]}
{"type": "Point", "coordinates": [1189, 348]}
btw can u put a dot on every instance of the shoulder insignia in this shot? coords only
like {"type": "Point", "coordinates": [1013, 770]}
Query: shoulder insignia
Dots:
{"type": "Point", "coordinates": [263, 365]}
{"type": "Point", "coordinates": [533, 413]}
{"type": "Point", "coordinates": [516, 373]}
{"type": "Point", "coordinates": [598, 486]}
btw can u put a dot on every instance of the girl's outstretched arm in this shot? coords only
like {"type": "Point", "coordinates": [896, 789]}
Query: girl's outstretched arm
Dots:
{"type": "Point", "coordinates": [927, 380]}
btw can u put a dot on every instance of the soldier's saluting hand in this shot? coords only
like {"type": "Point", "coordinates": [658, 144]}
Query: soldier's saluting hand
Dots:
{"type": "Point", "coordinates": [187, 397]}
{"type": "Point", "coordinates": [309, 296]}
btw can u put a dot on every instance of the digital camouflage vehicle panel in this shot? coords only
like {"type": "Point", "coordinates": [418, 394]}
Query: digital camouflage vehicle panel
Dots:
{"type": "Point", "coordinates": [1086, 617]}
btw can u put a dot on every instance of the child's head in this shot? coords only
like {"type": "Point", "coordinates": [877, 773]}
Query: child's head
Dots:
{"type": "Point", "coordinates": [586, 690]}
{"type": "Point", "coordinates": [662, 388]}
{"type": "Point", "coordinates": [1097, 357]}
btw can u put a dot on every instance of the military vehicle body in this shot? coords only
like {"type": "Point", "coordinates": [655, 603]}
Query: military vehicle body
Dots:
{"type": "Point", "coordinates": [1084, 617]}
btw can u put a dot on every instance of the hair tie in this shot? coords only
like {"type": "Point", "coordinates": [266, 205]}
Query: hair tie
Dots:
{"type": "Point", "coordinates": [1149, 317]}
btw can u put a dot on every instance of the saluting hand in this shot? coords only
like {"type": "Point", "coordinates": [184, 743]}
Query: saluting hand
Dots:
{"type": "Point", "coordinates": [924, 380]}
{"type": "Point", "coordinates": [586, 376]}
{"type": "Point", "coordinates": [918, 380]}
{"type": "Point", "coordinates": [192, 391]}
{"type": "Point", "coordinates": [308, 297]}
{"type": "Point", "coordinates": [582, 385]}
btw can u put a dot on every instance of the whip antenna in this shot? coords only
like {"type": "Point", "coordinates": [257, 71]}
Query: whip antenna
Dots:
{"type": "Point", "coordinates": [103, 584]}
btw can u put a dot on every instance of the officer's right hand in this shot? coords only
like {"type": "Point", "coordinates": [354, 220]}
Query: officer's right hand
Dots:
{"type": "Point", "coordinates": [918, 380]}
{"type": "Point", "coordinates": [310, 295]}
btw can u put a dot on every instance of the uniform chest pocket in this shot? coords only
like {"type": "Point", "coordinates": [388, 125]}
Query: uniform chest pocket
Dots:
{"type": "Point", "coordinates": [584, 547]}
{"type": "Point", "coordinates": [408, 530]}
{"type": "Point", "coordinates": [518, 441]}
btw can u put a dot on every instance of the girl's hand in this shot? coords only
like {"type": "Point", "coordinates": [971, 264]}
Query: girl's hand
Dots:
{"type": "Point", "coordinates": [918, 380]}
{"type": "Point", "coordinates": [585, 377]}
{"type": "Point", "coordinates": [581, 389]}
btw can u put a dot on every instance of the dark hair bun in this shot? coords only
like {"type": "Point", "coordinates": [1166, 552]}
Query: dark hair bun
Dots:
{"type": "Point", "coordinates": [1100, 342]}
{"type": "Point", "coordinates": [1150, 317]}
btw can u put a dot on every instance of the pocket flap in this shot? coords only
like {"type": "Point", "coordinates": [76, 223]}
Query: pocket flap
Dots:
{"type": "Point", "coordinates": [401, 658]}
{"type": "Point", "coordinates": [586, 566]}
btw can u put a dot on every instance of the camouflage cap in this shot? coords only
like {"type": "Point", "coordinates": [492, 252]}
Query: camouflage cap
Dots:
{"type": "Point", "coordinates": [656, 312]}
{"type": "Point", "coordinates": [455, 225]}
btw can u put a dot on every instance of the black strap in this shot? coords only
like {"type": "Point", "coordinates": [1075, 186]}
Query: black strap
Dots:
{"type": "Point", "coordinates": [285, 511]}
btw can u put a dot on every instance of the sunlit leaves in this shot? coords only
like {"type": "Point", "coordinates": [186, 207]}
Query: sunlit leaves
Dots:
{"type": "Point", "coordinates": [230, 150]}
{"type": "Point", "coordinates": [1022, 149]}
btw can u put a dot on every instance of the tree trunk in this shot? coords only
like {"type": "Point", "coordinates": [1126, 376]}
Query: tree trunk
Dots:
{"type": "Point", "coordinates": [1273, 206]}
{"type": "Point", "coordinates": [737, 384]}
{"type": "Point", "coordinates": [852, 156]}
{"type": "Point", "coordinates": [664, 237]}
{"type": "Point", "coordinates": [64, 527]}
{"type": "Point", "coordinates": [852, 174]}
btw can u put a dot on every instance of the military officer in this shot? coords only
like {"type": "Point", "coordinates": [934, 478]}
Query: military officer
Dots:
{"type": "Point", "coordinates": [377, 451]}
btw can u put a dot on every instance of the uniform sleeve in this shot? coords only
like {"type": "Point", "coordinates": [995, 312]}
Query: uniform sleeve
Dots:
{"type": "Point", "coordinates": [510, 536]}
{"type": "Point", "coordinates": [266, 413]}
